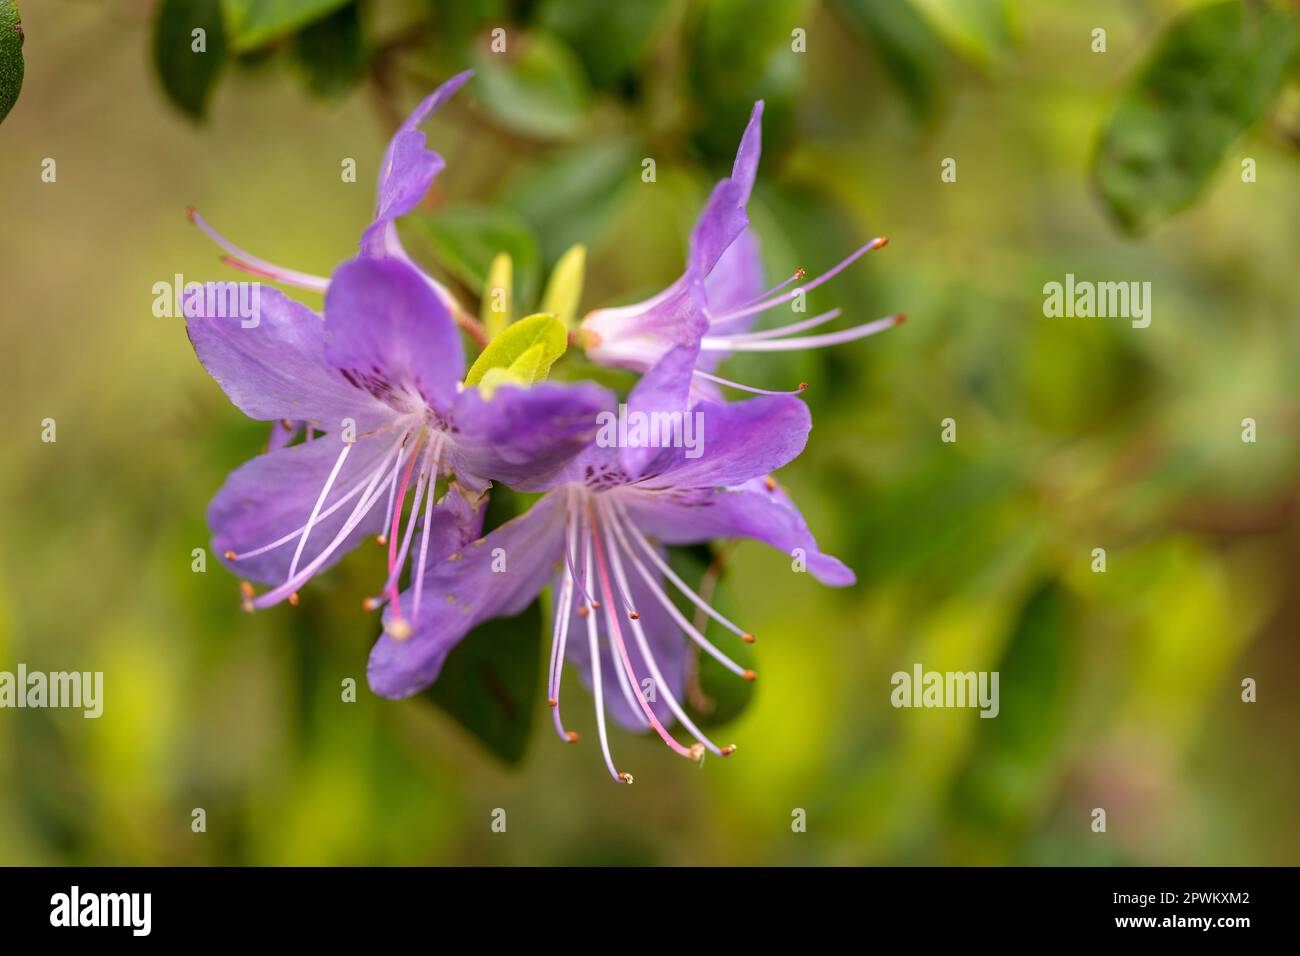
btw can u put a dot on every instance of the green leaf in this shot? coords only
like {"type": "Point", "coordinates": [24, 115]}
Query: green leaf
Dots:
{"type": "Point", "coordinates": [526, 349]}
{"type": "Point", "coordinates": [615, 45]}
{"type": "Point", "coordinates": [467, 238]}
{"type": "Point", "coordinates": [252, 23]}
{"type": "Point", "coordinates": [497, 296]}
{"type": "Point", "coordinates": [11, 56]}
{"type": "Point", "coordinates": [488, 683]}
{"type": "Point", "coordinates": [564, 290]}
{"type": "Point", "coordinates": [981, 31]}
{"type": "Point", "coordinates": [331, 54]}
{"type": "Point", "coordinates": [188, 74]}
{"type": "Point", "coordinates": [536, 87]}
{"type": "Point", "coordinates": [911, 53]}
{"type": "Point", "coordinates": [1214, 72]}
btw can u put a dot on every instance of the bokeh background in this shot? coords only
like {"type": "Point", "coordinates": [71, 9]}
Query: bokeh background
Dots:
{"type": "Point", "coordinates": [1119, 690]}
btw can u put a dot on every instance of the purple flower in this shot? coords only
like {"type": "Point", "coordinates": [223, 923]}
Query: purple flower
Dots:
{"type": "Point", "coordinates": [590, 537]}
{"type": "Point", "coordinates": [407, 172]}
{"type": "Point", "coordinates": [380, 376]}
{"type": "Point", "coordinates": [709, 310]}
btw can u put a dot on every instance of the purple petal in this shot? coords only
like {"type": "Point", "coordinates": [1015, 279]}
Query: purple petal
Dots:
{"type": "Point", "coordinates": [637, 336]}
{"type": "Point", "coordinates": [724, 217]}
{"type": "Point", "coordinates": [736, 280]}
{"type": "Point", "coordinates": [408, 171]}
{"type": "Point", "coordinates": [750, 511]}
{"type": "Point", "coordinates": [462, 592]}
{"type": "Point", "coordinates": [667, 645]}
{"type": "Point", "coordinates": [665, 388]}
{"type": "Point", "coordinates": [522, 436]}
{"type": "Point", "coordinates": [738, 441]}
{"type": "Point", "coordinates": [283, 432]}
{"type": "Point", "coordinates": [273, 495]}
{"type": "Point", "coordinates": [275, 369]}
{"type": "Point", "coordinates": [388, 332]}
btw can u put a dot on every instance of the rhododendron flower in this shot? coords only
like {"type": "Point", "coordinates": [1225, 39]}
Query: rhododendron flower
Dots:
{"type": "Point", "coordinates": [380, 376]}
{"type": "Point", "coordinates": [709, 310]}
{"type": "Point", "coordinates": [405, 176]}
{"type": "Point", "coordinates": [596, 536]}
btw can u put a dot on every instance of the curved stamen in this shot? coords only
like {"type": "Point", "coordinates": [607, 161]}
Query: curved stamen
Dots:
{"type": "Point", "coordinates": [718, 379]}
{"type": "Point", "coordinates": [251, 263]}
{"type": "Point", "coordinates": [824, 277]}
{"type": "Point", "coordinates": [638, 632]}
{"type": "Point", "coordinates": [315, 511]}
{"type": "Point", "coordinates": [560, 632]}
{"type": "Point", "coordinates": [816, 320]}
{"type": "Point", "coordinates": [435, 446]}
{"type": "Point", "coordinates": [278, 594]}
{"type": "Point", "coordinates": [616, 633]}
{"type": "Point", "coordinates": [392, 537]}
{"type": "Point", "coordinates": [711, 344]}
{"type": "Point", "coordinates": [395, 569]}
{"type": "Point", "coordinates": [795, 277]}
{"type": "Point", "coordinates": [382, 537]}
{"type": "Point", "coordinates": [285, 539]}
{"type": "Point", "coordinates": [668, 572]}
{"type": "Point", "coordinates": [597, 690]}
{"type": "Point", "coordinates": [667, 604]}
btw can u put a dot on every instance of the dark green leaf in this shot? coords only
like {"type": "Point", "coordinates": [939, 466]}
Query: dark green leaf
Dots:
{"type": "Point", "coordinates": [331, 52]}
{"type": "Point", "coordinates": [1214, 72]}
{"type": "Point", "coordinates": [11, 56]}
{"type": "Point", "coordinates": [489, 682]}
{"type": "Point", "coordinates": [188, 63]}
{"type": "Point", "coordinates": [911, 53]}
{"type": "Point", "coordinates": [536, 87]}
{"type": "Point", "coordinates": [467, 238]}
{"type": "Point", "coordinates": [252, 23]}
{"type": "Point", "coordinates": [614, 45]}
{"type": "Point", "coordinates": [980, 31]}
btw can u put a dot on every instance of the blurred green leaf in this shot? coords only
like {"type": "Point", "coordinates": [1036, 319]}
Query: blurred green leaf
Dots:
{"type": "Point", "coordinates": [11, 56]}
{"type": "Point", "coordinates": [527, 348]}
{"type": "Point", "coordinates": [614, 45]}
{"type": "Point", "coordinates": [537, 87]}
{"type": "Point", "coordinates": [912, 54]}
{"type": "Point", "coordinates": [467, 238]}
{"type": "Point", "coordinates": [251, 23]}
{"type": "Point", "coordinates": [496, 299]}
{"type": "Point", "coordinates": [489, 682]}
{"type": "Point", "coordinates": [1214, 72]}
{"type": "Point", "coordinates": [563, 292]}
{"type": "Point", "coordinates": [331, 53]}
{"type": "Point", "coordinates": [570, 196]}
{"type": "Point", "coordinates": [189, 75]}
{"type": "Point", "coordinates": [717, 695]}
{"type": "Point", "coordinates": [980, 31]}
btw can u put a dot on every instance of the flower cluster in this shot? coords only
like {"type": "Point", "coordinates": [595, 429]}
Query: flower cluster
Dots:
{"type": "Point", "coordinates": [376, 418]}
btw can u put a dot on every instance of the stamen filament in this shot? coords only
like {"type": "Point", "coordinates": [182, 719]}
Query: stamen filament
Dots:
{"type": "Point", "coordinates": [315, 511]}
{"type": "Point", "coordinates": [712, 344]}
{"type": "Point", "coordinates": [436, 448]}
{"type": "Point", "coordinates": [803, 386]}
{"type": "Point", "coordinates": [597, 690]}
{"type": "Point", "coordinates": [251, 263]}
{"type": "Point", "coordinates": [816, 320]}
{"type": "Point", "coordinates": [824, 277]}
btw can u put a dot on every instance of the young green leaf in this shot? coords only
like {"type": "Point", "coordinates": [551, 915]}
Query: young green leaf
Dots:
{"type": "Point", "coordinates": [1214, 72]}
{"type": "Point", "coordinates": [564, 290]}
{"type": "Point", "coordinates": [526, 349]}
{"type": "Point", "coordinates": [498, 295]}
{"type": "Point", "coordinates": [11, 56]}
{"type": "Point", "coordinates": [189, 47]}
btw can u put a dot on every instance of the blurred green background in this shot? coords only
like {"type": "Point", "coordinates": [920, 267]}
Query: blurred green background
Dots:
{"type": "Point", "coordinates": [1118, 690]}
